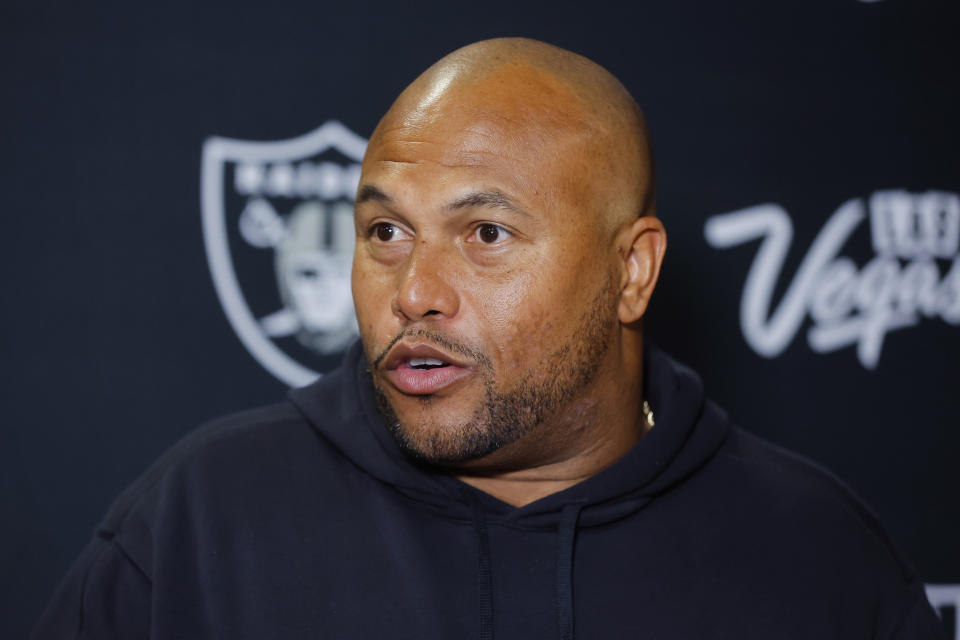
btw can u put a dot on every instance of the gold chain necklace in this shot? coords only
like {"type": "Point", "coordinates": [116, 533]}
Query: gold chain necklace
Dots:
{"type": "Point", "coordinates": [647, 414]}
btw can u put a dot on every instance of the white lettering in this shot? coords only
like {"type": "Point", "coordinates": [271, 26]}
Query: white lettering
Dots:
{"type": "Point", "coordinates": [324, 180]}
{"type": "Point", "coordinates": [847, 306]}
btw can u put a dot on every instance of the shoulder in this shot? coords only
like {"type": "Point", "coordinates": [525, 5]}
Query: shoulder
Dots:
{"type": "Point", "coordinates": [242, 465]}
{"type": "Point", "coordinates": [830, 534]}
{"type": "Point", "coordinates": [789, 513]}
{"type": "Point", "coordinates": [236, 475]}
{"type": "Point", "coordinates": [218, 448]}
{"type": "Point", "coordinates": [781, 476]}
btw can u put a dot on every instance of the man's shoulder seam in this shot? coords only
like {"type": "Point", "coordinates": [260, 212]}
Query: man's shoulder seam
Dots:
{"type": "Point", "coordinates": [819, 483]}
{"type": "Point", "coordinates": [196, 440]}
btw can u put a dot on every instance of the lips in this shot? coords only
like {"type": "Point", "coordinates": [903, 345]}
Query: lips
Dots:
{"type": "Point", "coordinates": [421, 369]}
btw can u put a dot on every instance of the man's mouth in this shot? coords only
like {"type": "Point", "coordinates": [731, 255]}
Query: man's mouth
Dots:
{"type": "Point", "coordinates": [422, 369]}
{"type": "Point", "coordinates": [426, 363]}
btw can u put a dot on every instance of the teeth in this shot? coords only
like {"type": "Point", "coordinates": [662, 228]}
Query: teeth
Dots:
{"type": "Point", "coordinates": [426, 362]}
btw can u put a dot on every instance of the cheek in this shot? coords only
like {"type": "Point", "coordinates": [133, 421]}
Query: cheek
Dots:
{"type": "Point", "coordinates": [546, 308]}
{"type": "Point", "coordinates": [523, 317]}
{"type": "Point", "coordinates": [359, 286]}
{"type": "Point", "coordinates": [372, 292]}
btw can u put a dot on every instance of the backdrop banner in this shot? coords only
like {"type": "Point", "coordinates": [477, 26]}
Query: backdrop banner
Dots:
{"type": "Point", "coordinates": [178, 182]}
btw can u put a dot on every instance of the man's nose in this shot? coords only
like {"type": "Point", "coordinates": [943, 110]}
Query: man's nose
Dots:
{"type": "Point", "coordinates": [425, 287]}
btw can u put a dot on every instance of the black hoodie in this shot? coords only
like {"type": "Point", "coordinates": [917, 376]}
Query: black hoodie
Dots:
{"type": "Point", "coordinates": [305, 520]}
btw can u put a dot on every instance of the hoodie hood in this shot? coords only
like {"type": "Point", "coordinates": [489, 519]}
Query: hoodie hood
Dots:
{"type": "Point", "coordinates": [688, 431]}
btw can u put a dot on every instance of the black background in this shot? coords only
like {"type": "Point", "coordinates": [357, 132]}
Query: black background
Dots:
{"type": "Point", "coordinates": [114, 344]}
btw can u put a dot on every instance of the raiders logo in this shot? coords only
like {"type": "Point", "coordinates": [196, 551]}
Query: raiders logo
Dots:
{"type": "Point", "coordinates": [279, 237]}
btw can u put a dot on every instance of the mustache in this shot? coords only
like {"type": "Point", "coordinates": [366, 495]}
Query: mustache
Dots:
{"type": "Point", "coordinates": [438, 339]}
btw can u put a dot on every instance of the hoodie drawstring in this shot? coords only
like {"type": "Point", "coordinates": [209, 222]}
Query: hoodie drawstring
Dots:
{"type": "Point", "coordinates": [566, 535]}
{"type": "Point", "coordinates": [485, 585]}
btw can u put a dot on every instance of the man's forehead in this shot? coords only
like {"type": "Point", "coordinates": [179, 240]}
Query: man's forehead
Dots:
{"type": "Point", "coordinates": [514, 127]}
{"type": "Point", "coordinates": [497, 112]}
{"type": "Point", "coordinates": [463, 179]}
{"type": "Point", "coordinates": [450, 140]}
{"type": "Point", "coordinates": [473, 162]}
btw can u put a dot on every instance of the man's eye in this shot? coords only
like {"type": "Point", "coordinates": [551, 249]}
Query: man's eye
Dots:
{"type": "Point", "coordinates": [490, 233]}
{"type": "Point", "coordinates": [385, 231]}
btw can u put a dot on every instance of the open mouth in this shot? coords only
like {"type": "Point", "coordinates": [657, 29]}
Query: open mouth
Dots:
{"type": "Point", "coordinates": [422, 369]}
{"type": "Point", "coordinates": [426, 363]}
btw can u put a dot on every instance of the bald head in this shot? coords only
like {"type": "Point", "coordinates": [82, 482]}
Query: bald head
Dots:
{"type": "Point", "coordinates": [517, 92]}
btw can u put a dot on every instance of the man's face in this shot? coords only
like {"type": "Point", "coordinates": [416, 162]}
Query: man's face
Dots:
{"type": "Point", "coordinates": [483, 284]}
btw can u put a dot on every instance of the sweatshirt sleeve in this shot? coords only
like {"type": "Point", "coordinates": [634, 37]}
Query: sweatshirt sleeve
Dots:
{"type": "Point", "coordinates": [103, 596]}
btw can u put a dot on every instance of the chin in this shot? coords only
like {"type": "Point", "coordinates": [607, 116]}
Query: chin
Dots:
{"type": "Point", "coordinates": [444, 438]}
{"type": "Point", "coordinates": [442, 448]}
{"type": "Point", "coordinates": [472, 424]}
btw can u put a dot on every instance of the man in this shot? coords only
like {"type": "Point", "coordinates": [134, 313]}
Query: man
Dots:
{"type": "Point", "coordinates": [488, 464]}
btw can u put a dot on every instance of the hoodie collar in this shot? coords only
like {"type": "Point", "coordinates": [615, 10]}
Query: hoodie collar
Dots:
{"type": "Point", "coordinates": [689, 429]}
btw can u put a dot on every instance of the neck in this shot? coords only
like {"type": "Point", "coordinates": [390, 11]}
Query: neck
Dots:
{"type": "Point", "coordinates": [591, 434]}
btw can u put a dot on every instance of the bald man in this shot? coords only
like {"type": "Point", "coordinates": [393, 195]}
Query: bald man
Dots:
{"type": "Point", "coordinates": [499, 456]}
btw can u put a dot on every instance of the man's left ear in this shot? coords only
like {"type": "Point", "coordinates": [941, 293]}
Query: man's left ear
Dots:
{"type": "Point", "coordinates": [641, 247]}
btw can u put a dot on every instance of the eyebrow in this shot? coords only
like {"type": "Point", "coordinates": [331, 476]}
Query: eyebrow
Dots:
{"type": "Point", "coordinates": [490, 198]}
{"type": "Point", "coordinates": [370, 192]}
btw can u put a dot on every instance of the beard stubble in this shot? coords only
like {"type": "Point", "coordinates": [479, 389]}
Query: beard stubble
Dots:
{"type": "Point", "coordinates": [504, 417]}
